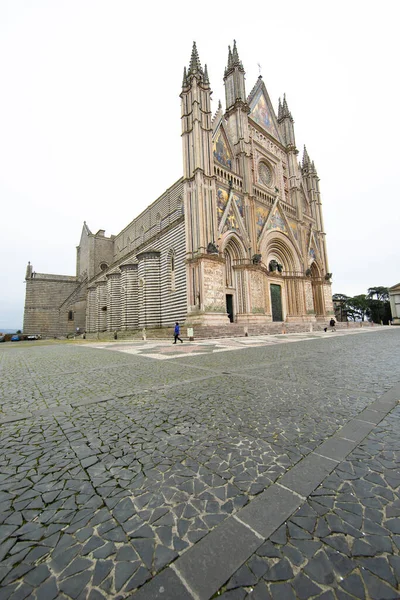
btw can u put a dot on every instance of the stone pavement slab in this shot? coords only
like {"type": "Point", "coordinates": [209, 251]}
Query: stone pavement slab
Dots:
{"type": "Point", "coordinates": [117, 468]}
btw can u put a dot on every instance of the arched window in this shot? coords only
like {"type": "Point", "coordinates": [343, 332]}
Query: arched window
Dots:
{"type": "Point", "coordinates": [70, 315]}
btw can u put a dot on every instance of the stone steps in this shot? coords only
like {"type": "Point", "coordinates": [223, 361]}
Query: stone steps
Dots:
{"type": "Point", "coordinates": [223, 331]}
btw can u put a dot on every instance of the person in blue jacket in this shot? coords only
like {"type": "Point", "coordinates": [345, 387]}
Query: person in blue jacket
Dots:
{"type": "Point", "coordinates": [176, 333]}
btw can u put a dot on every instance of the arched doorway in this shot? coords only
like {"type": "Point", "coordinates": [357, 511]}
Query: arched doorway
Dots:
{"type": "Point", "coordinates": [285, 277]}
{"type": "Point", "coordinates": [233, 253]}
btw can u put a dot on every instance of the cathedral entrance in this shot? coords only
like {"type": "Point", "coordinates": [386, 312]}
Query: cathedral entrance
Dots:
{"type": "Point", "coordinates": [229, 306]}
{"type": "Point", "coordinates": [276, 302]}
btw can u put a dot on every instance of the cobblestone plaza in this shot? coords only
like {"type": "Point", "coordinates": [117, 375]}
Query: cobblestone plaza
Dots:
{"type": "Point", "coordinates": [253, 468]}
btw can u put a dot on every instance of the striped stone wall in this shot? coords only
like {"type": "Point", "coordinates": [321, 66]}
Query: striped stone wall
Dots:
{"type": "Point", "coordinates": [114, 301]}
{"type": "Point", "coordinates": [160, 215]}
{"type": "Point", "coordinates": [129, 296]}
{"type": "Point", "coordinates": [148, 290]}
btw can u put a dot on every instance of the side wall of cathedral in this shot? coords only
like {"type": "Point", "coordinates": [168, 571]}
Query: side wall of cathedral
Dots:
{"type": "Point", "coordinates": [145, 286]}
{"type": "Point", "coordinates": [44, 296]}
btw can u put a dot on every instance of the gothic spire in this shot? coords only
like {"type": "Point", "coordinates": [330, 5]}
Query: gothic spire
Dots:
{"type": "Point", "coordinates": [184, 81]}
{"type": "Point", "coordinates": [285, 109]}
{"type": "Point", "coordinates": [194, 65]}
{"type": "Point", "coordinates": [233, 60]}
{"type": "Point", "coordinates": [235, 56]}
{"type": "Point", "coordinates": [279, 110]}
{"type": "Point", "coordinates": [206, 80]}
{"type": "Point", "coordinates": [306, 159]}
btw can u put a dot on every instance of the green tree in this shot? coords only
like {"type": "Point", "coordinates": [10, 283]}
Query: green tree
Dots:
{"type": "Point", "coordinates": [340, 302]}
{"type": "Point", "coordinates": [379, 304]}
{"type": "Point", "coordinates": [358, 307]}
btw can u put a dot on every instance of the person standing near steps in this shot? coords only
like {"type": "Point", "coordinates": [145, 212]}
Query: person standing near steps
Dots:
{"type": "Point", "coordinates": [176, 333]}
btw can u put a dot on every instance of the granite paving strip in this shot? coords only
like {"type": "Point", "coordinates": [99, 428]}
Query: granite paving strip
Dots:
{"type": "Point", "coordinates": [220, 556]}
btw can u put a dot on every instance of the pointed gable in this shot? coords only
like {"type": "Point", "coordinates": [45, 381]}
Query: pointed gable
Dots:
{"type": "Point", "coordinates": [262, 213]}
{"type": "Point", "coordinates": [261, 110]}
{"type": "Point", "coordinates": [221, 150]}
{"type": "Point", "coordinates": [313, 247]}
{"type": "Point", "coordinates": [277, 222]}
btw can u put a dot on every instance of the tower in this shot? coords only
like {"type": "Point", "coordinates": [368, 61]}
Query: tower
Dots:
{"type": "Point", "coordinates": [236, 114]}
{"type": "Point", "coordinates": [204, 266]}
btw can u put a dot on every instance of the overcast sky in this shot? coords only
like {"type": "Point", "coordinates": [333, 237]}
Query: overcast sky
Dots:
{"type": "Point", "coordinates": [90, 119]}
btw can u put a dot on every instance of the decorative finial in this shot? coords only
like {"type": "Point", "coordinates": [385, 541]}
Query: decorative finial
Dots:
{"type": "Point", "coordinates": [306, 159]}
{"type": "Point", "coordinates": [206, 80]}
{"type": "Point", "coordinates": [194, 66]}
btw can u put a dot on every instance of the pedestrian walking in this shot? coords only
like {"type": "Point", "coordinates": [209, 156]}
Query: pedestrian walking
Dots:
{"type": "Point", "coordinates": [332, 324]}
{"type": "Point", "coordinates": [176, 333]}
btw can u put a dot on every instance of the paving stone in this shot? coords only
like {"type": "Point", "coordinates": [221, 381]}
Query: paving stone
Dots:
{"type": "Point", "coordinates": [260, 592]}
{"type": "Point", "coordinates": [74, 585]}
{"type": "Point", "coordinates": [23, 591]}
{"type": "Point", "coordinates": [101, 570]}
{"type": "Point", "coordinates": [378, 589]}
{"type": "Point", "coordinates": [242, 578]}
{"type": "Point", "coordinates": [145, 549]}
{"type": "Point", "coordinates": [105, 551]}
{"type": "Point", "coordinates": [282, 590]}
{"type": "Point", "coordinates": [140, 577]}
{"type": "Point", "coordinates": [163, 556]}
{"type": "Point", "coordinates": [361, 548]}
{"type": "Point", "coordinates": [293, 555]}
{"type": "Point", "coordinates": [319, 569]}
{"type": "Point", "coordinates": [38, 575]}
{"type": "Point", "coordinates": [77, 566]}
{"type": "Point", "coordinates": [123, 571]}
{"type": "Point", "coordinates": [281, 571]}
{"type": "Point", "coordinates": [165, 586]}
{"type": "Point", "coordinates": [48, 590]}
{"type": "Point", "coordinates": [304, 587]}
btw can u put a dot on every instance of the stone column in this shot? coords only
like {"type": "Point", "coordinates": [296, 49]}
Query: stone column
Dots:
{"type": "Point", "coordinates": [101, 293]}
{"type": "Point", "coordinates": [91, 314]}
{"type": "Point", "coordinates": [113, 301]}
{"type": "Point", "coordinates": [149, 291]}
{"type": "Point", "coordinates": [129, 296]}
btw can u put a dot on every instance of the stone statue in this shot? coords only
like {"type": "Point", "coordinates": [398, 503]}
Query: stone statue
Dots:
{"type": "Point", "coordinates": [212, 248]}
{"type": "Point", "coordinates": [28, 274]}
{"type": "Point", "coordinates": [256, 259]}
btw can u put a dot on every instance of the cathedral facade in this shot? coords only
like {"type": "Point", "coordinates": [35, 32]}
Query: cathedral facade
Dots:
{"type": "Point", "coordinates": [239, 238]}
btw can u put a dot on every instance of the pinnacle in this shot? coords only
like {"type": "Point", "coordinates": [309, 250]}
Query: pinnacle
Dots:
{"type": "Point", "coordinates": [233, 59]}
{"type": "Point", "coordinates": [306, 159]}
{"type": "Point", "coordinates": [279, 110]}
{"type": "Point", "coordinates": [285, 108]}
{"type": "Point", "coordinates": [206, 80]}
{"type": "Point", "coordinates": [195, 65]}
{"type": "Point", "coordinates": [235, 53]}
{"type": "Point", "coordinates": [184, 81]}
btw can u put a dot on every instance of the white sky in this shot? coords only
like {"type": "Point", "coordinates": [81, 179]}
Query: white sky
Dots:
{"type": "Point", "coordinates": [90, 119]}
